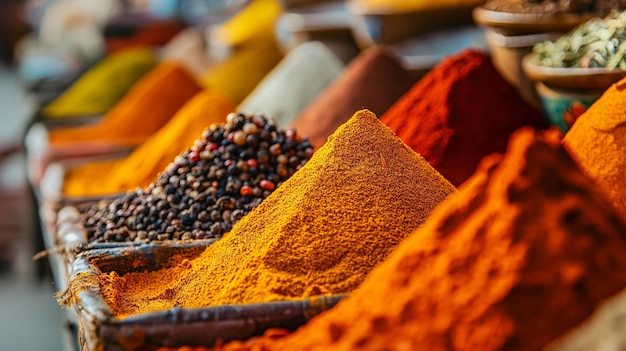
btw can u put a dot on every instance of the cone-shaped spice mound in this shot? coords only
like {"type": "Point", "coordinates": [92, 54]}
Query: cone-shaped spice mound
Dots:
{"type": "Point", "coordinates": [320, 233]}
{"type": "Point", "coordinates": [597, 142]}
{"type": "Point", "coordinates": [141, 167]}
{"type": "Point", "coordinates": [460, 112]}
{"type": "Point", "coordinates": [147, 107]}
{"type": "Point", "coordinates": [207, 188]}
{"type": "Point", "coordinates": [374, 80]}
{"type": "Point", "coordinates": [520, 255]}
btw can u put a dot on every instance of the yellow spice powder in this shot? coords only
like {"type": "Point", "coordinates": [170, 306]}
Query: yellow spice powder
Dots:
{"type": "Point", "coordinates": [319, 233]}
{"type": "Point", "coordinates": [597, 142]}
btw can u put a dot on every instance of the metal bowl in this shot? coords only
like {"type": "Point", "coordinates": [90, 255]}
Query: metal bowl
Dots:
{"type": "Point", "coordinates": [373, 27]}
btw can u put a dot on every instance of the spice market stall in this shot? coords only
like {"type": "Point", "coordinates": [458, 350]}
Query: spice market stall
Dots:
{"type": "Point", "coordinates": [271, 200]}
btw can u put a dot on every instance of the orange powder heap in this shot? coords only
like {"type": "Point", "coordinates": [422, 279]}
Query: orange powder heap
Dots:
{"type": "Point", "coordinates": [522, 254]}
{"type": "Point", "coordinates": [321, 232]}
{"type": "Point", "coordinates": [144, 163]}
{"type": "Point", "coordinates": [597, 142]}
{"type": "Point", "coordinates": [146, 108]}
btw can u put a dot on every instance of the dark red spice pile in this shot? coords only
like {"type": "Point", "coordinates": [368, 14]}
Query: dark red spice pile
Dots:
{"type": "Point", "coordinates": [460, 112]}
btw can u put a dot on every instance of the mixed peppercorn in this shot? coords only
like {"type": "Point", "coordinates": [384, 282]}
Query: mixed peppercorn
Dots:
{"type": "Point", "coordinates": [207, 188]}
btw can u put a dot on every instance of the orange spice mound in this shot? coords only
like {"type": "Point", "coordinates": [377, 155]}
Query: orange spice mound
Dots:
{"type": "Point", "coordinates": [320, 233]}
{"type": "Point", "coordinates": [143, 165]}
{"type": "Point", "coordinates": [148, 106]}
{"type": "Point", "coordinates": [597, 142]}
{"type": "Point", "coordinates": [523, 253]}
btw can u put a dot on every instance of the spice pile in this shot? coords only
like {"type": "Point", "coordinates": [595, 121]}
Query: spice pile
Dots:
{"type": "Point", "coordinates": [481, 273]}
{"type": "Point", "coordinates": [142, 166]}
{"type": "Point", "coordinates": [599, 42]}
{"type": "Point", "coordinates": [373, 80]}
{"type": "Point", "coordinates": [87, 97]}
{"type": "Point", "coordinates": [207, 188]}
{"type": "Point", "coordinates": [151, 102]}
{"type": "Point", "coordinates": [597, 142]}
{"type": "Point", "coordinates": [320, 233]}
{"type": "Point", "coordinates": [460, 112]}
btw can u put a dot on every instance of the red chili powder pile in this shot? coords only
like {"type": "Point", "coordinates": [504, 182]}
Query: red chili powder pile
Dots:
{"type": "Point", "coordinates": [460, 112]}
{"type": "Point", "coordinates": [597, 142]}
{"type": "Point", "coordinates": [373, 80]}
{"type": "Point", "coordinates": [523, 253]}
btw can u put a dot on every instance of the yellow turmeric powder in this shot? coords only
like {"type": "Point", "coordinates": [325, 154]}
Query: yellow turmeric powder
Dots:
{"type": "Point", "coordinates": [319, 233]}
{"type": "Point", "coordinates": [143, 165]}
{"type": "Point", "coordinates": [100, 88]}
{"type": "Point", "coordinates": [250, 35]}
{"type": "Point", "coordinates": [146, 108]}
{"type": "Point", "coordinates": [239, 74]}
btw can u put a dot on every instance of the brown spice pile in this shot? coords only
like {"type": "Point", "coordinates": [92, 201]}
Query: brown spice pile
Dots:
{"type": "Point", "coordinates": [460, 112]}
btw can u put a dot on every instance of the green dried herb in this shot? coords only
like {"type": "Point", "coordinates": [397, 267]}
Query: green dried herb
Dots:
{"type": "Point", "coordinates": [599, 42]}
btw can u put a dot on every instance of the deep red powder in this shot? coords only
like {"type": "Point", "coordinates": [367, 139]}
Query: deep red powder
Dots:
{"type": "Point", "coordinates": [460, 112]}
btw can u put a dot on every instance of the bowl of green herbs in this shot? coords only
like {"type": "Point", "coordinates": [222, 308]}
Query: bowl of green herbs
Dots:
{"type": "Point", "coordinates": [573, 71]}
{"type": "Point", "coordinates": [591, 56]}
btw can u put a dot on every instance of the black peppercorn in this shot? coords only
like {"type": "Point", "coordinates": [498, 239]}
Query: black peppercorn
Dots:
{"type": "Point", "coordinates": [207, 188]}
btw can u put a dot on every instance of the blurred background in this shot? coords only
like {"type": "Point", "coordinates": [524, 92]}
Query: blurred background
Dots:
{"type": "Point", "coordinates": [30, 320]}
